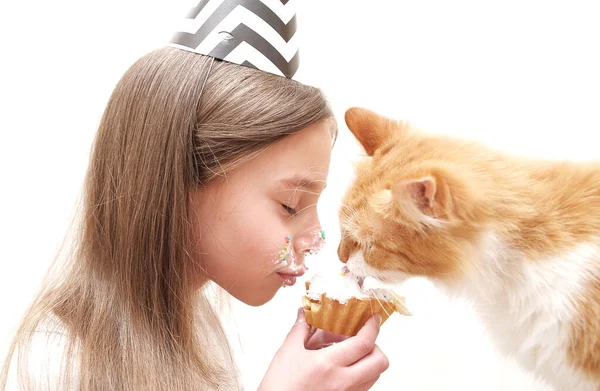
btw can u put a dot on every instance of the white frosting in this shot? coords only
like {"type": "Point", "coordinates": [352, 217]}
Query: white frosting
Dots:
{"type": "Point", "coordinates": [343, 286]}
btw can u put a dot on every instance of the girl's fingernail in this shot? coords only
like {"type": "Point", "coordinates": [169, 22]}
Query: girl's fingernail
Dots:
{"type": "Point", "coordinates": [378, 319]}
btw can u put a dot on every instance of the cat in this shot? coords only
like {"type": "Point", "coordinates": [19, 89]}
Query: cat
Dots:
{"type": "Point", "coordinates": [518, 237]}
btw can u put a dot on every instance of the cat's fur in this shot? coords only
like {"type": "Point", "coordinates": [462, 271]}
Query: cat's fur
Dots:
{"type": "Point", "coordinates": [519, 237]}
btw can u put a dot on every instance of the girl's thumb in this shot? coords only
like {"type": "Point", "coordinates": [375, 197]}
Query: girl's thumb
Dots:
{"type": "Point", "coordinates": [300, 330]}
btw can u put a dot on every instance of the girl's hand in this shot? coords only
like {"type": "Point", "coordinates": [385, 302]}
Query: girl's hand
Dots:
{"type": "Point", "coordinates": [353, 364]}
{"type": "Point", "coordinates": [321, 339]}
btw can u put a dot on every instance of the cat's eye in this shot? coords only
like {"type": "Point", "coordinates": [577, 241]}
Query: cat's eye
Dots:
{"type": "Point", "coordinates": [289, 209]}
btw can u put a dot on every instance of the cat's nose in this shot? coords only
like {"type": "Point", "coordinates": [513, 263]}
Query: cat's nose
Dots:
{"type": "Point", "coordinates": [343, 253]}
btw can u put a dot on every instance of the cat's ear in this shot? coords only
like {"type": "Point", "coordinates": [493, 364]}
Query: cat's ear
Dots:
{"type": "Point", "coordinates": [411, 202]}
{"type": "Point", "coordinates": [433, 197]}
{"type": "Point", "coordinates": [420, 191]}
{"type": "Point", "coordinates": [369, 128]}
{"type": "Point", "coordinates": [419, 199]}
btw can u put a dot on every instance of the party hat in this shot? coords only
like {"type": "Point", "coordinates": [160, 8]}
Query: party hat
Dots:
{"type": "Point", "coordinates": [254, 33]}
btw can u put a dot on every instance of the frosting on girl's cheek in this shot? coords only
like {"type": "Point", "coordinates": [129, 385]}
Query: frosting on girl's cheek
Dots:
{"type": "Point", "coordinates": [287, 256]}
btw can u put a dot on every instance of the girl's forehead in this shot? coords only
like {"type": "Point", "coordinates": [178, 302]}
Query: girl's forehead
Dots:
{"type": "Point", "coordinates": [304, 156]}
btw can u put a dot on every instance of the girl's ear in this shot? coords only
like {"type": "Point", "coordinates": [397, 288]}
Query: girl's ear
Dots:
{"type": "Point", "coordinates": [369, 128]}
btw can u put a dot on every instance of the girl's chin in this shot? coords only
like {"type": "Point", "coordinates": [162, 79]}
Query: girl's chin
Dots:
{"type": "Point", "coordinates": [261, 293]}
{"type": "Point", "coordinates": [257, 301]}
{"type": "Point", "coordinates": [257, 297]}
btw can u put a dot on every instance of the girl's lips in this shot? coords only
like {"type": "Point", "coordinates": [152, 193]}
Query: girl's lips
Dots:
{"type": "Point", "coordinates": [296, 271]}
{"type": "Point", "coordinates": [289, 276]}
{"type": "Point", "coordinates": [287, 279]}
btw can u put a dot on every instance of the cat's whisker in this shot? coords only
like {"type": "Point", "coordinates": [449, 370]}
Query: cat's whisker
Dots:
{"type": "Point", "coordinates": [277, 267]}
{"type": "Point", "coordinates": [312, 227]}
{"type": "Point", "coordinates": [371, 305]}
{"type": "Point", "coordinates": [396, 296]}
{"type": "Point", "coordinates": [380, 303]}
{"type": "Point", "coordinates": [300, 190]}
{"type": "Point", "coordinates": [301, 210]}
{"type": "Point", "coordinates": [345, 236]}
{"type": "Point", "coordinates": [377, 278]}
{"type": "Point", "coordinates": [342, 205]}
{"type": "Point", "coordinates": [375, 294]}
{"type": "Point", "coordinates": [383, 281]}
{"type": "Point", "coordinates": [348, 212]}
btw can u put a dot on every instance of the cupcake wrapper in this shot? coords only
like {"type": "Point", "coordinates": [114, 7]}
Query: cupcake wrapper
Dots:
{"type": "Point", "coordinates": [347, 319]}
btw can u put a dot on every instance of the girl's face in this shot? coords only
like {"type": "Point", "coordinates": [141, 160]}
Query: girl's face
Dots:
{"type": "Point", "coordinates": [256, 225]}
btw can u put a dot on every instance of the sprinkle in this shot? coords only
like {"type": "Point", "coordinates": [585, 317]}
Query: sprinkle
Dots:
{"type": "Point", "coordinates": [342, 274]}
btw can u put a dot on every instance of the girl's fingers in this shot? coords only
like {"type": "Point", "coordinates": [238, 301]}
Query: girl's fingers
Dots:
{"type": "Point", "coordinates": [370, 367]}
{"type": "Point", "coordinates": [321, 339]}
{"type": "Point", "coordinates": [300, 332]}
{"type": "Point", "coordinates": [366, 386]}
{"type": "Point", "coordinates": [351, 350]}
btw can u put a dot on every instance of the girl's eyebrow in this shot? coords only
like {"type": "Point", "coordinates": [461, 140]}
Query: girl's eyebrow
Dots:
{"type": "Point", "coordinates": [297, 181]}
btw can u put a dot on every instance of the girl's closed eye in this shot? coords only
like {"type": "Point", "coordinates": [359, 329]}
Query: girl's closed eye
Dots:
{"type": "Point", "coordinates": [289, 209]}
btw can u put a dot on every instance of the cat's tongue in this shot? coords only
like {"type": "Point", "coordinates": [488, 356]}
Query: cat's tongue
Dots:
{"type": "Point", "coordinates": [360, 280]}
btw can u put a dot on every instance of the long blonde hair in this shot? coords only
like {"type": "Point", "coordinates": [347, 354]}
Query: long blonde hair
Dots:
{"type": "Point", "coordinates": [132, 317]}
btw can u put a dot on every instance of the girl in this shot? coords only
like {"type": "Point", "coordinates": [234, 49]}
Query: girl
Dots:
{"type": "Point", "coordinates": [199, 172]}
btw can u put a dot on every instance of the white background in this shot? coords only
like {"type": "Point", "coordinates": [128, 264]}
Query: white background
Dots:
{"type": "Point", "coordinates": [520, 75]}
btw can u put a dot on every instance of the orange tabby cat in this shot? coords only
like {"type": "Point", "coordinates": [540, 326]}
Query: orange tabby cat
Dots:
{"type": "Point", "coordinates": [519, 237]}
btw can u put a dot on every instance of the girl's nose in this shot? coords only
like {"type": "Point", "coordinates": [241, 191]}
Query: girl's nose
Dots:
{"type": "Point", "coordinates": [309, 242]}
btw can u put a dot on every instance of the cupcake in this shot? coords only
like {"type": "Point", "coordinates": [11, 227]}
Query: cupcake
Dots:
{"type": "Point", "coordinates": [340, 303]}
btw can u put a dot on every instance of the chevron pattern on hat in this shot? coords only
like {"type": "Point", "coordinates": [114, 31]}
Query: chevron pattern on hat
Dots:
{"type": "Point", "coordinates": [253, 33]}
